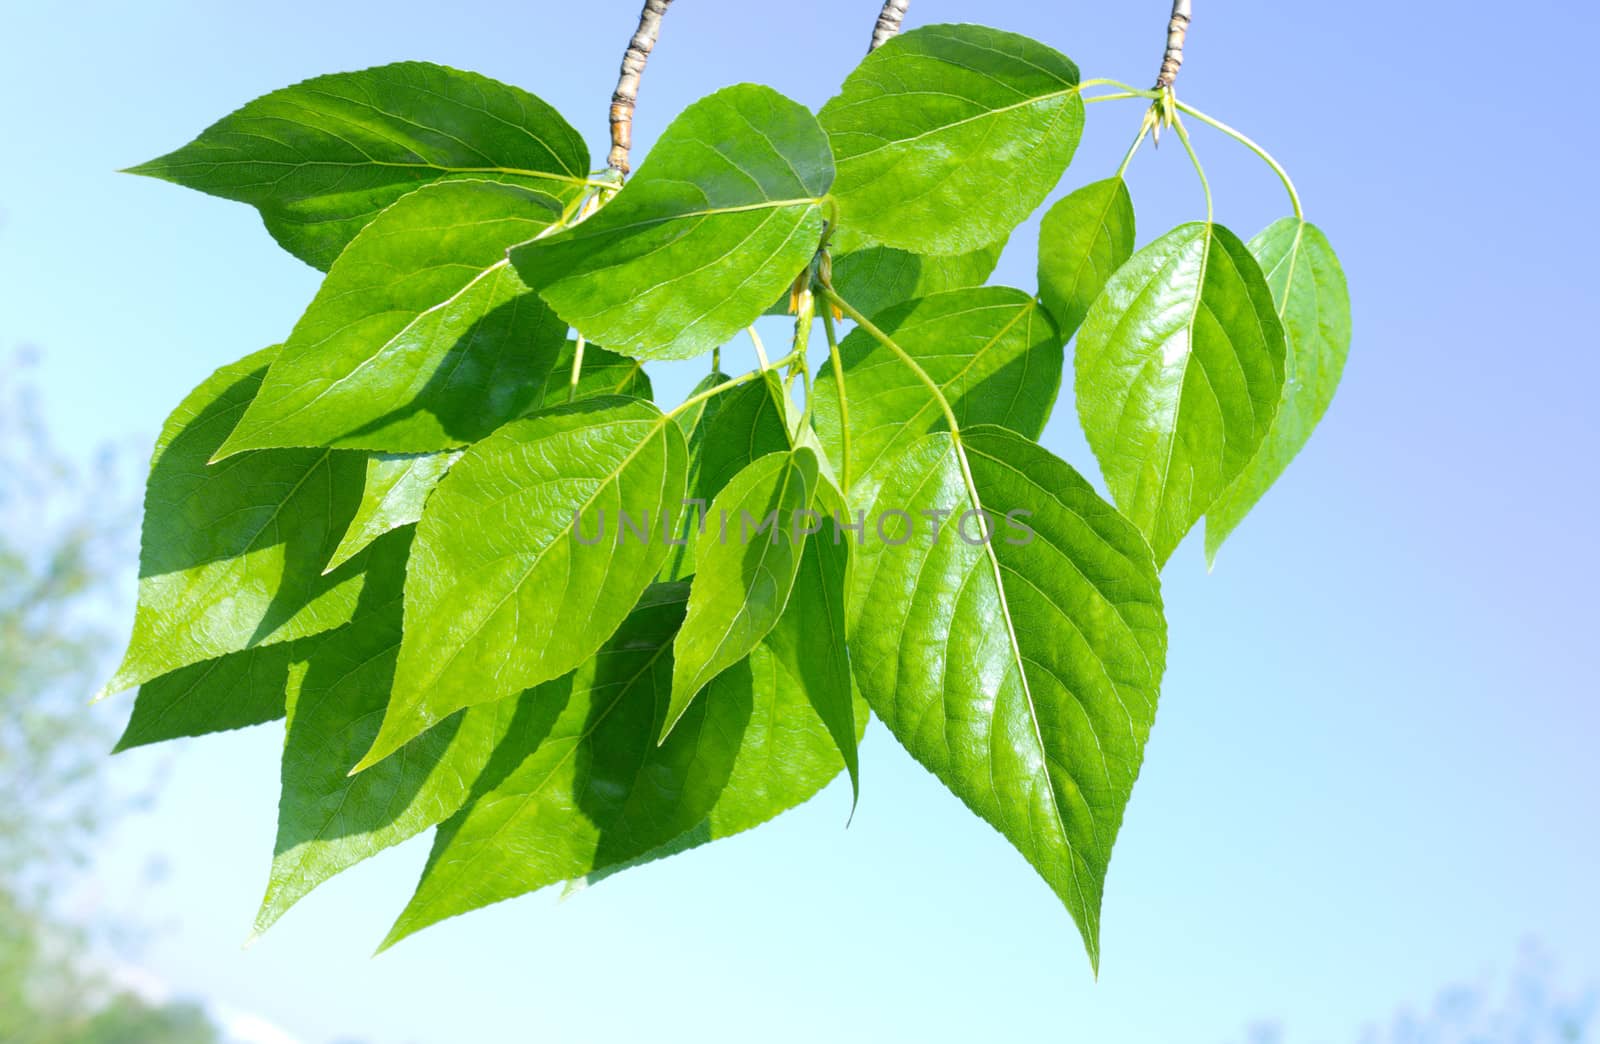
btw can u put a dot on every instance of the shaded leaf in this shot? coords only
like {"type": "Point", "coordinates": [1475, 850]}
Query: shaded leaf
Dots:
{"type": "Point", "coordinates": [1022, 671]}
{"type": "Point", "coordinates": [745, 567]}
{"type": "Point", "coordinates": [396, 487]}
{"type": "Point", "coordinates": [1179, 370]}
{"type": "Point", "coordinates": [992, 350]}
{"type": "Point", "coordinates": [717, 222]}
{"type": "Point", "coordinates": [320, 159]}
{"type": "Point", "coordinates": [1082, 240]}
{"type": "Point", "coordinates": [514, 578]}
{"type": "Point", "coordinates": [948, 136]}
{"type": "Point", "coordinates": [328, 820]}
{"type": "Point", "coordinates": [231, 692]}
{"type": "Point", "coordinates": [874, 278]}
{"type": "Point", "coordinates": [422, 338]}
{"type": "Point", "coordinates": [231, 554]}
{"type": "Point", "coordinates": [1313, 301]}
{"type": "Point", "coordinates": [604, 373]}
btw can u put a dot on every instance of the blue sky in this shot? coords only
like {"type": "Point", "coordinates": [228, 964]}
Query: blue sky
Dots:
{"type": "Point", "coordinates": [1374, 766]}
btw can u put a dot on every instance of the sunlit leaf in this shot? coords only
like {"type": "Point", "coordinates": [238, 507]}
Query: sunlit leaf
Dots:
{"type": "Point", "coordinates": [1082, 240]}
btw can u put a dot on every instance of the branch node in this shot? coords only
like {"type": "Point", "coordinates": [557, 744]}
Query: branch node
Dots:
{"type": "Point", "coordinates": [889, 19]}
{"type": "Point", "coordinates": [1177, 30]}
{"type": "Point", "coordinates": [627, 92]}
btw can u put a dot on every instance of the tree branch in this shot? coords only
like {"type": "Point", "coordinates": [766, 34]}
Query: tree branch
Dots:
{"type": "Point", "coordinates": [1177, 29]}
{"type": "Point", "coordinates": [889, 19]}
{"type": "Point", "coordinates": [627, 92]}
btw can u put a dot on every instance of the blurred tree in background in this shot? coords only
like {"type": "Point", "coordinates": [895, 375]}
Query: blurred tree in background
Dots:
{"type": "Point", "coordinates": [60, 526]}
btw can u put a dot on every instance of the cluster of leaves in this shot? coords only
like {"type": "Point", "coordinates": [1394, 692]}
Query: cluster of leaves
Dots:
{"type": "Point", "coordinates": [372, 528]}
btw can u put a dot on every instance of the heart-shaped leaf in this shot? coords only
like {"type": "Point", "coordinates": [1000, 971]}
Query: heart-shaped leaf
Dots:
{"type": "Point", "coordinates": [231, 554]}
{"type": "Point", "coordinates": [992, 350]}
{"type": "Point", "coordinates": [421, 338]}
{"type": "Point", "coordinates": [1082, 240]}
{"type": "Point", "coordinates": [506, 587]}
{"type": "Point", "coordinates": [320, 159]}
{"type": "Point", "coordinates": [1019, 659]}
{"type": "Point", "coordinates": [1179, 371]}
{"type": "Point", "coordinates": [717, 222]}
{"type": "Point", "coordinates": [947, 137]}
{"type": "Point", "coordinates": [1313, 301]}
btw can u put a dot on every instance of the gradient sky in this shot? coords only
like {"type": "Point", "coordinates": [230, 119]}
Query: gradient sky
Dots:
{"type": "Point", "coordinates": [1374, 770]}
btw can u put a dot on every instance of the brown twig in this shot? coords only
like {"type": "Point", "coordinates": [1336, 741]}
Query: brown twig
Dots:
{"type": "Point", "coordinates": [889, 19]}
{"type": "Point", "coordinates": [1177, 29]}
{"type": "Point", "coordinates": [627, 92]}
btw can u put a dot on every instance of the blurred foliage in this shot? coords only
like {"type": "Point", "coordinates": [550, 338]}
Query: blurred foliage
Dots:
{"type": "Point", "coordinates": [59, 527]}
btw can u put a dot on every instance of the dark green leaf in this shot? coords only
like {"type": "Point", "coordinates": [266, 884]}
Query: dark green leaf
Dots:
{"type": "Point", "coordinates": [604, 373]}
{"type": "Point", "coordinates": [231, 554]}
{"type": "Point", "coordinates": [422, 338]}
{"type": "Point", "coordinates": [322, 158]}
{"type": "Point", "coordinates": [993, 351]}
{"type": "Point", "coordinates": [1022, 671]}
{"type": "Point", "coordinates": [874, 278]}
{"type": "Point", "coordinates": [1082, 240]}
{"type": "Point", "coordinates": [397, 485]}
{"type": "Point", "coordinates": [328, 820]}
{"type": "Point", "coordinates": [1179, 371]}
{"type": "Point", "coordinates": [745, 565]}
{"type": "Point", "coordinates": [522, 566]}
{"type": "Point", "coordinates": [1312, 300]}
{"type": "Point", "coordinates": [718, 221]}
{"type": "Point", "coordinates": [230, 692]}
{"type": "Point", "coordinates": [948, 136]}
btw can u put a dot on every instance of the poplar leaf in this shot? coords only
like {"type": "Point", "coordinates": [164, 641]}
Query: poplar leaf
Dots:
{"type": "Point", "coordinates": [1082, 240]}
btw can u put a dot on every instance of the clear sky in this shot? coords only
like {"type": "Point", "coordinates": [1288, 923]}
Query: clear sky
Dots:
{"type": "Point", "coordinates": [1374, 767]}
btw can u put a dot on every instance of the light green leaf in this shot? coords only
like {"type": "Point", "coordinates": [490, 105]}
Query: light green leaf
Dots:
{"type": "Point", "coordinates": [231, 692]}
{"type": "Point", "coordinates": [579, 787]}
{"type": "Point", "coordinates": [745, 567]}
{"type": "Point", "coordinates": [992, 350]}
{"type": "Point", "coordinates": [734, 429]}
{"type": "Point", "coordinates": [948, 136]}
{"type": "Point", "coordinates": [604, 373]}
{"type": "Point", "coordinates": [396, 487]}
{"type": "Point", "coordinates": [1313, 301]}
{"type": "Point", "coordinates": [1179, 372]}
{"type": "Point", "coordinates": [1022, 671]}
{"type": "Point", "coordinates": [320, 159]}
{"type": "Point", "coordinates": [231, 554]}
{"type": "Point", "coordinates": [328, 820]}
{"type": "Point", "coordinates": [717, 222]}
{"type": "Point", "coordinates": [521, 566]}
{"type": "Point", "coordinates": [1082, 240]}
{"type": "Point", "coordinates": [422, 338]}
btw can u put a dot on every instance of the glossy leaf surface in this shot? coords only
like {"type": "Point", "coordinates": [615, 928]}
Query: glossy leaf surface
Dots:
{"type": "Point", "coordinates": [395, 488]}
{"type": "Point", "coordinates": [1023, 672]}
{"type": "Point", "coordinates": [719, 219]}
{"type": "Point", "coordinates": [422, 338]}
{"type": "Point", "coordinates": [1082, 240]}
{"type": "Point", "coordinates": [1179, 371]}
{"type": "Point", "coordinates": [948, 136]}
{"type": "Point", "coordinates": [320, 159]}
{"type": "Point", "coordinates": [1313, 301]}
{"type": "Point", "coordinates": [508, 585]}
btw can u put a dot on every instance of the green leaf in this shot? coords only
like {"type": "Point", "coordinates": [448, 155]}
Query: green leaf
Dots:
{"type": "Point", "coordinates": [604, 373]}
{"type": "Point", "coordinates": [947, 137]}
{"type": "Point", "coordinates": [521, 567]}
{"type": "Point", "coordinates": [717, 222]}
{"type": "Point", "coordinates": [320, 159]}
{"type": "Point", "coordinates": [1022, 671]}
{"type": "Point", "coordinates": [728, 433]}
{"type": "Point", "coordinates": [422, 338]}
{"type": "Point", "coordinates": [745, 567]}
{"type": "Point", "coordinates": [231, 554]}
{"type": "Point", "coordinates": [231, 692]}
{"type": "Point", "coordinates": [1179, 371]}
{"type": "Point", "coordinates": [992, 350]}
{"type": "Point", "coordinates": [1082, 240]}
{"type": "Point", "coordinates": [1313, 301]}
{"type": "Point", "coordinates": [328, 820]}
{"type": "Point", "coordinates": [580, 787]}
{"type": "Point", "coordinates": [874, 277]}
{"type": "Point", "coordinates": [396, 487]}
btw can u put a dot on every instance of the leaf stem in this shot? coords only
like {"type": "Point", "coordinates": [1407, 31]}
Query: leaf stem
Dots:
{"type": "Point", "coordinates": [577, 369]}
{"type": "Point", "coordinates": [805, 314]}
{"type": "Point", "coordinates": [888, 342]}
{"type": "Point", "coordinates": [626, 95]}
{"type": "Point", "coordinates": [1183, 135]}
{"type": "Point", "coordinates": [1144, 130]}
{"type": "Point", "coordinates": [727, 385]}
{"type": "Point", "coordinates": [844, 404]}
{"type": "Point", "coordinates": [1283, 175]}
{"type": "Point", "coordinates": [761, 349]}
